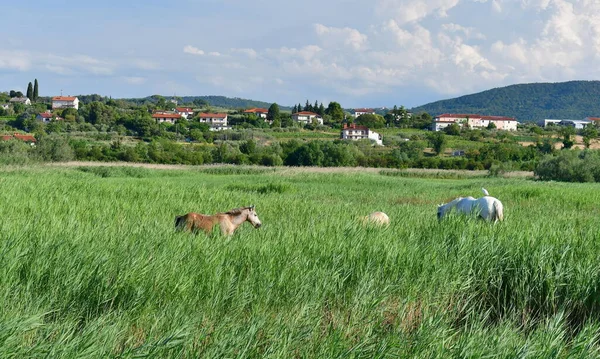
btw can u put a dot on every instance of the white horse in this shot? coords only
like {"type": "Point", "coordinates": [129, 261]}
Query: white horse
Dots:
{"type": "Point", "coordinates": [487, 207]}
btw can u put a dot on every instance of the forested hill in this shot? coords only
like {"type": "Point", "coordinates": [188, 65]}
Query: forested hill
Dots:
{"type": "Point", "coordinates": [228, 102]}
{"type": "Point", "coordinates": [527, 102]}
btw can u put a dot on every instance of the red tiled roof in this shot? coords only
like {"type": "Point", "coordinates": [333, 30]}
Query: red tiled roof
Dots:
{"type": "Point", "coordinates": [27, 138]}
{"type": "Point", "coordinates": [364, 110]}
{"type": "Point", "coordinates": [46, 115]}
{"type": "Point", "coordinates": [184, 109]}
{"type": "Point", "coordinates": [498, 118]}
{"type": "Point", "coordinates": [256, 110]}
{"type": "Point", "coordinates": [166, 115]}
{"type": "Point", "coordinates": [63, 98]}
{"type": "Point", "coordinates": [593, 118]}
{"type": "Point", "coordinates": [458, 115]}
{"type": "Point", "coordinates": [356, 127]}
{"type": "Point", "coordinates": [212, 115]}
{"type": "Point", "coordinates": [308, 113]}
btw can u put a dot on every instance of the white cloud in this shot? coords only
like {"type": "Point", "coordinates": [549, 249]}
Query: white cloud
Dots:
{"type": "Point", "coordinates": [332, 36]}
{"type": "Point", "coordinates": [189, 49]}
{"type": "Point", "coordinates": [15, 60]}
{"type": "Point", "coordinates": [134, 80]}
{"type": "Point", "coordinates": [251, 53]}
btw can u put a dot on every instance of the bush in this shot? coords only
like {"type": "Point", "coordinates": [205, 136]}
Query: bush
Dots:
{"type": "Point", "coordinates": [570, 166]}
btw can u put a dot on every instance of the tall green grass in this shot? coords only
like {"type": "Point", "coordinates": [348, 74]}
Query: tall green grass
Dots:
{"type": "Point", "coordinates": [90, 266]}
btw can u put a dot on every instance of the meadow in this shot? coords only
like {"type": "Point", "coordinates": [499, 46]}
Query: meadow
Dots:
{"type": "Point", "coordinates": [90, 266]}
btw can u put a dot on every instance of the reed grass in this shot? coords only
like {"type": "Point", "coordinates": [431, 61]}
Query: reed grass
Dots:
{"type": "Point", "coordinates": [90, 266]}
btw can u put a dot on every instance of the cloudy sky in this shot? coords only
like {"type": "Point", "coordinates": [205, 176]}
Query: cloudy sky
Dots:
{"type": "Point", "coordinates": [361, 53]}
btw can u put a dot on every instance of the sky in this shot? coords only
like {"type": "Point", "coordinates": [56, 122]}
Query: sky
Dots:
{"type": "Point", "coordinates": [360, 53]}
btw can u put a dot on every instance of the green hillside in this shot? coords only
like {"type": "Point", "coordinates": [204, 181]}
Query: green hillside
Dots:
{"type": "Point", "coordinates": [230, 102]}
{"type": "Point", "coordinates": [527, 102]}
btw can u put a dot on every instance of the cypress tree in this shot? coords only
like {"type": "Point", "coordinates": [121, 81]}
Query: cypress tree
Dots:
{"type": "Point", "coordinates": [35, 90]}
{"type": "Point", "coordinates": [30, 91]}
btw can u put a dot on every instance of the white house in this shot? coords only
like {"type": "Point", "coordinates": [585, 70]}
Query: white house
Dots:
{"type": "Point", "coordinates": [169, 117]}
{"type": "Point", "coordinates": [356, 132]}
{"type": "Point", "coordinates": [578, 124]}
{"type": "Point", "coordinates": [44, 117]}
{"type": "Point", "coordinates": [501, 122]}
{"type": "Point", "coordinates": [184, 112]}
{"type": "Point", "coordinates": [549, 122]}
{"type": "Point", "coordinates": [65, 102]}
{"type": "Point", "coordinates": [259, 112]}
{"type": "Point", "coordinates": [306, 117]}
{"type": "Point", "coordinates": [216, 121]}
{"type": "Point", "coordinates": [363, 111]}
{"type": "Point", "coordinates": [474, 121]}
{"type": "Point", "coordinates": [23, 100]}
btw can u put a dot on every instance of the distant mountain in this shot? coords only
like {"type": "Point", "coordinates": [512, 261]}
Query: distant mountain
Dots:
{"type": "Point", "coordinates": [527, 102]}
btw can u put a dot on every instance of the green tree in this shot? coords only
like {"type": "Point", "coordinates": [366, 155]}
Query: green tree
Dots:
{"type": "Point", "coordinates": [371, 121]}
{"type": "Point", "coordinates": [491, 126]}
{"type": "Point", "coordinates": [35, 90]}
{"type": "Point", "coordinates": [438, 142]}
{"type": "Point", "coordinates": [589, 133]}
{"type": "Point", "coordinates": [452, 130]}
{"type": "Point", "coordinates": [334, 110]}
{"type": "Point", "coordinates": [273, 113]}
{"type": "Point", "coordinates": [567, 132]}
{"type": "Point", "coordinates": [30, 91]}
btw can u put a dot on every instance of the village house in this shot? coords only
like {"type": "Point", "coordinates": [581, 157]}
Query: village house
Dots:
{"type": "Point", "coordinates": [549, 122]}
{"type": "Point", "coordinates": [163, 116]}
{"type": "Point", "coordinates": [594, 120]}
{"type": "Point", "coordinates": [44, 117]}
{"type": "Point", "coordinates": [185, 112]}
{"type": "Point", "coordinates": [357, 132]}
{"type": "Point", "coordinates": [306, 117]}
{"type": "Point", "coordinates": [474, 121]}
{"type": "Point", "coordinates": [17, 136]}
{"type": "Point", "coordinates": [24, 100]}
{"type": "Point", "coordinates": [577, 124]}
{"type": "Point", "coordinates": [216, 121]}
{"type": "Point", "coordinates": [363, 111]}
{"type": "Point", "coordinates": [259, 112]}
{"type": "Point", "coordinates": [65, 102]}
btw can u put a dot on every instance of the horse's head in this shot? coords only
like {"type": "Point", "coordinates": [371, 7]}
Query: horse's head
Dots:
{"type": "Point", "coordinates": [253, 217]}
{"type": "Point", "coordinates": [441, 211]}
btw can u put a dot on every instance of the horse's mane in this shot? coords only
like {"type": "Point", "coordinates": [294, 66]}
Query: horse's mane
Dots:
{"type": "Point", "coordinates": [237, 211]}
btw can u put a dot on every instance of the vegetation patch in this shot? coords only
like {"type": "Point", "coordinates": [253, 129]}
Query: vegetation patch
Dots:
{"type": "Point", "coordinates": [262, 189]}
{"type": "Point", "coordinates": [124, 171]}
{"type": "Point", "coordinates": [431, 174]}
{"type": "Point", "coordinates": [236, 170]}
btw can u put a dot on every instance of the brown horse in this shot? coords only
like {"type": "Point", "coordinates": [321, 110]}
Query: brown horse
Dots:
{"type": "Point", "coordinates": [228, 221]}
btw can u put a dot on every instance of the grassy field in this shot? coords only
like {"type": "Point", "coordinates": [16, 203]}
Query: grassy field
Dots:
{"type": "Point", "coordinates": [90, 266]}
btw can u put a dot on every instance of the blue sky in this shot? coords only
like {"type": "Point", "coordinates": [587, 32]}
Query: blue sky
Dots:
{"type": "Point", "coordinates": [361, 53]}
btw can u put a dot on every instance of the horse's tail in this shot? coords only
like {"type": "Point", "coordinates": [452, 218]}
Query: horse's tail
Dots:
{"type": "Point", "coordinates": [179, 222]}
{"type": "Point", "coordinates": [498, 211]}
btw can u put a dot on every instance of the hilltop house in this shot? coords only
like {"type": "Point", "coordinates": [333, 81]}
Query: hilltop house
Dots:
{"type": "Point", "coordinates": [363, 111]}
{"type": "Point", "coordinates": [184, 112]}
{"type": "Point", "coordinates": [65, 102]}
{"type": "Point", "coordinates": [24, 100]}
{"type": "Point", "coordinates": [163, 116]}
{"type": "Point", "coordinates": [474, 121]}
{"type": "Point", "coordinates": [44, 117]}
{"type": "Point", "coordinates": [259, 112]}
{"type": "Point", "coordinates": [356, 132]}
{"type": "Point", "coordinates": [216, 121]}
{"type": "Point", "coordinates": [306, 117]}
